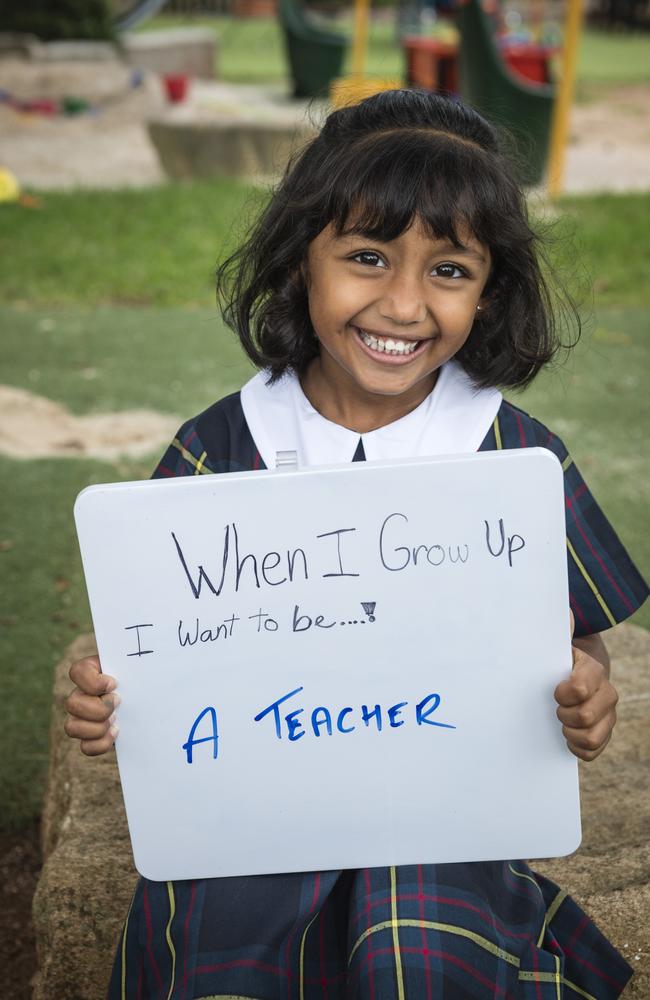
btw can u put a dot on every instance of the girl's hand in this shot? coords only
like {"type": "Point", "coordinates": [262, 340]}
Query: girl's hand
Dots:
{"type": "Point", "coordinates": [91, 707]}
{"type": "Point", "coordinates": [587, 700]}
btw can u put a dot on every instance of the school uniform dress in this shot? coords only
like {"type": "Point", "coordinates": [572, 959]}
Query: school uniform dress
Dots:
{"type": "Point", "coordinates": [415, 932]}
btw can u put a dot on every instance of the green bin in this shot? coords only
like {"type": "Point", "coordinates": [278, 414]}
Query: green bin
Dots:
{"type": "Point", "coordinates": [488, 84]}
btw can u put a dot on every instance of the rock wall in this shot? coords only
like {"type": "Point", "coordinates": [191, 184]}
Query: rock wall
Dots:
{"type": "Point", "coordinates": [610, 874]}
{"type": "Point", "coordinates": [88, 876]}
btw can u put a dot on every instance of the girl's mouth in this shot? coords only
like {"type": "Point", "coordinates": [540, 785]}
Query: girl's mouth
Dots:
{"type": "Point", "coordinates": [391, 349]}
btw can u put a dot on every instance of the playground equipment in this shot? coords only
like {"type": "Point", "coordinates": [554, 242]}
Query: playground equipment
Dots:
{"type": "Point", "coordinates": [431, 63]}
{"type": "Point", "coordinates": [315, 54]}
{"type": "Point", "coordinates": [560, 127]}
{"type": "Point", "coordinates": [127, 13]}
{"type": "Point", "coordinates": [357, 86]}
{"type": "Point", "coordinates": [489, 84]}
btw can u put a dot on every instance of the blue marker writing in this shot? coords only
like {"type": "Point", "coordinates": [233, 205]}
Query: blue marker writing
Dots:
{"type": "Point", "coordinates": [275, 708]}
{"type": "Point", "coordinates": [324, 720]}
{"type": "Point", "coordinates": [212, 738]}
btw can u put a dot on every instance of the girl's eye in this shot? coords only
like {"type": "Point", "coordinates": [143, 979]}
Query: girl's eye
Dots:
{"type": "Point", "coordinates": [370, 258]}
{"type": "Point", "coordinates": [448, 270]}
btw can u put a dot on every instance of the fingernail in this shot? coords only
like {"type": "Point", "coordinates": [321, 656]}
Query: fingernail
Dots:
{"type": "Point", "coordinates": [116, 700]}
{"type": "Point", "coordinates": [114, 730]}
{"type": "Point", "coordinates": [111, 684]}
{"type": "Point", "coordinates": [113, 719]}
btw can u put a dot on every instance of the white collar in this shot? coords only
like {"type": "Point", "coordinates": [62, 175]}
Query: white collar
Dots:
{"type": "Point", "coordinates": [452, 420]}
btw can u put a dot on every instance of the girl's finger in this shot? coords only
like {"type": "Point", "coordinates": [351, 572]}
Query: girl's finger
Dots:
{"type": "Point", "coordinates": [80, 729]}
{"type": "Point", "coordinates": [590, 740]}
{"type": "Point", "coordinates": [93, 748]}
{"type": "Point", "coordinates": [90, 707]}
{"type": "Point", "coordinates": [87, 676]}
{"type": "Point", "coordinates": [589, 713]}
{"type": "Point", "coordinates": [588, 755]}
{"type": "Point", "coordinates": [587, 676]}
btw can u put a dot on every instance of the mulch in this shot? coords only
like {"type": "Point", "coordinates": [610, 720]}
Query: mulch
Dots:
{"type": "Point", "coordinates": [20, 864]}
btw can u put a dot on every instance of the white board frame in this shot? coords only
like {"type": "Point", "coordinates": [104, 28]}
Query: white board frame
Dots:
{"type": "Point", "coordinates": [489, 635]}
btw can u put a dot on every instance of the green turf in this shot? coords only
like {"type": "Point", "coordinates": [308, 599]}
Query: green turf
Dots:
{"type": "Point", "coordinates": [596, 402]}
{"type": "Point", "coordinates": [172, 360]}
{"type": "Point", "coordinates": [99, 360]}
{"type": "Point", "coordinates": [43, 609]}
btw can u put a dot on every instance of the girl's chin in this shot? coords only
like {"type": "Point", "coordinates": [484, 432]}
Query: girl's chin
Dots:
{"type": "Point", "coordinates": [394, 382]}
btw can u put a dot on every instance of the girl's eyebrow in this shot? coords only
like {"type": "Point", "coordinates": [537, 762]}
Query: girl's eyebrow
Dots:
{"type": "Point", "coordinates": [454, 249]}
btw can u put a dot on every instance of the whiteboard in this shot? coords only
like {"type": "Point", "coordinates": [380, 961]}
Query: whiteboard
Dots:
{"type": "Point", "coordinates": [337, 667]}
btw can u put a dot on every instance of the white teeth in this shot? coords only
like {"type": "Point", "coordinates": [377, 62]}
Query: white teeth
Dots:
{"type": "Point", "coordinates": [389, 346]}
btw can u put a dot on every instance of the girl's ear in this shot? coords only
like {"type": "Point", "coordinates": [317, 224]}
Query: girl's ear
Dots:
{"type": "Point", "coordinates": [484, 303]}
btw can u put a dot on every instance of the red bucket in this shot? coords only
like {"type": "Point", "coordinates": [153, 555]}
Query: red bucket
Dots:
{"type": "Point", "coordinates": [176, 86]}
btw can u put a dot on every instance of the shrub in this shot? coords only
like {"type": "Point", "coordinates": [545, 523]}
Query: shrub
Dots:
{"type": "Point", "coordinates": [57, 20]}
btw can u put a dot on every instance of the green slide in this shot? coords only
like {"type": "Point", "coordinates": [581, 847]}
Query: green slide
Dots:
{"type": "Point", "coordinates": [486, 83]}
{"type": "Point", "coordinates": [315, 54]}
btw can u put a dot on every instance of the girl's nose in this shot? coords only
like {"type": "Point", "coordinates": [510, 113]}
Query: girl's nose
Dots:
{"type": "Point", "coordinates": [403, 302]}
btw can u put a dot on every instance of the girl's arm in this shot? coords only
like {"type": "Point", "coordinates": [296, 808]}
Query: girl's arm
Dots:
{"type": "Point", "coordinates": [587, 700]}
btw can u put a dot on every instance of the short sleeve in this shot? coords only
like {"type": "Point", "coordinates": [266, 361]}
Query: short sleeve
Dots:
{"type": "Point", "coordinates": [605, 586]}
{"type": "Point", "coordinates": [218, 440]}
{"type": "Point", "coordinates": [185, 456]}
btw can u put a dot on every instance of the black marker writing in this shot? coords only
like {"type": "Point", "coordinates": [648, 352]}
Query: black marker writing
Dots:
{"type": "Point", "coordinates": [399, 557]}
{"type": "Point", "coordinates": [338, 533]}
{"type": "Point", "coordinates": [196, 587]}
{"type": "Point", "coordinates": [268, 567]}
{"type": "Point", "coordinates": [515, 542]}
{"type": "Point", "coordinates": [264, 621]}
{"type": "Point", "coordinates": [190, 635]}
{"type": "Point", "coordinates": [140, 651]}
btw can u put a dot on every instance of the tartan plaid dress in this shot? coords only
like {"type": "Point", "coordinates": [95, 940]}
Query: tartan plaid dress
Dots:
{"type": "Point", "coordinates": [416, 932]}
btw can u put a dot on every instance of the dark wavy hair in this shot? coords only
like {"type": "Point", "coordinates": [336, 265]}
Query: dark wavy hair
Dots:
{"type": "Point", "coordinates": [373, 169]}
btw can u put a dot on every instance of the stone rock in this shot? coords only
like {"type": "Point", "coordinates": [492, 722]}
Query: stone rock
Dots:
{"type": "Point", "coordinates": [610, 873]}
{"type": "Point", "coordinates": [104, 83]}
{"type": "Point", "coordinates": [78, 50]}
{"type": "Point", "coordinates": [18, 43]}
{"type": "Point", "coordinates": [88, 876]}
{"type": "Point", "coordinates": [236, 149]}
{"type": "Point", "coordinates": [176, 50]}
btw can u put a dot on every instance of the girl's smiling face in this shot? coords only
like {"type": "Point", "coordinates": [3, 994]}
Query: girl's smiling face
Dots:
{"type": "Point", "coordinates": [387, 316]}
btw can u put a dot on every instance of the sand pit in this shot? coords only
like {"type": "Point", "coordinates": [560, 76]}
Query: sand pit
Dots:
{"type": "Point", "coordinates": [32, 426]}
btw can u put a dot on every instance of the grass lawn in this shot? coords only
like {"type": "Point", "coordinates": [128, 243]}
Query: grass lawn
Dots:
{"type": "Point", "coordinates": [252, 50]}
{"type": "Point", "coordinates": [159, 246]}
{"type": "Point", "coordinates": [119, 284]}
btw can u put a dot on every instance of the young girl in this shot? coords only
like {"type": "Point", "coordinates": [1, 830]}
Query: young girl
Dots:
{"type": "Point", "coordinates": [388, 288]}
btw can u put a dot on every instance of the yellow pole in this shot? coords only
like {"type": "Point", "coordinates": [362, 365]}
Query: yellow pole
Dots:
{"type": "Point", "coordinates": [560, 125]}
{"type": "Point", "coordinates": [360, 39]}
